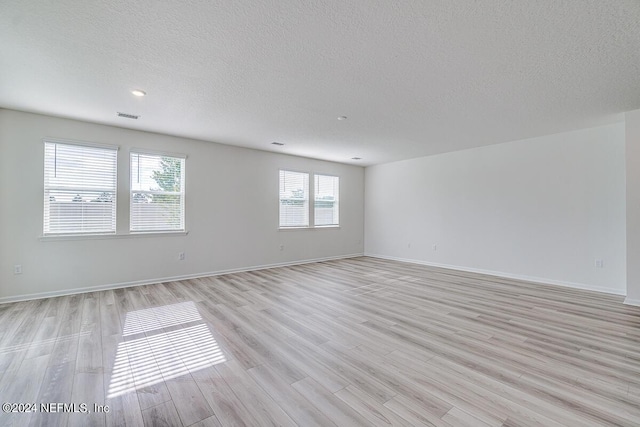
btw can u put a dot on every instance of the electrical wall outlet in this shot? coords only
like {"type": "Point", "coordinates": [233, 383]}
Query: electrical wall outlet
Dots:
{"type": "Point", "coordinates": [181, 256]}
{"type": "Point", "coordinates": [599, 263]}
{"type": "Point", "coordinates": [17, 269]}
{"type": "Point", "coordinates": [435, 247]}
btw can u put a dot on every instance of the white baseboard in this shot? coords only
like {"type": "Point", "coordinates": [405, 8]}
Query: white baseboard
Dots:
{"type": "Point", "coordinates": [541, 280]}
{"type": "Point", "coordinates": [631, 301]}
{"type": "Point", "coordinates": [40, 295]}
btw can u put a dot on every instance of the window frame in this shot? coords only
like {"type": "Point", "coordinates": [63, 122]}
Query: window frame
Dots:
{"type": "Point", "coordinates": [182, 193]}
{"type": "Point", "coordinates": [307, 200]}
{"type": "Point", "coordinates": [311, 200]}
{"type": "Point", "coordinates": [47, 187]}
{"type": "Point", "coordinates": [336, 201]}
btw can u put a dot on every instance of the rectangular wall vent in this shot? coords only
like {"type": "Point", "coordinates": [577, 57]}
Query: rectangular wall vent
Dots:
{"type": "Point", "coordinates": [128, 116]}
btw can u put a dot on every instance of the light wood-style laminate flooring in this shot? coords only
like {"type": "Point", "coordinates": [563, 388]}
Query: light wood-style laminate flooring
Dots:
{"type": "Point", "coordinates": [353, 342]}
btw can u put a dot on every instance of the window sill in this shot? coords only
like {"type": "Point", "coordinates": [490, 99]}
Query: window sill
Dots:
{"type": "Point", "coordinates": [133, 235]}
{"type": "Point", "coordinates": [318, 227]}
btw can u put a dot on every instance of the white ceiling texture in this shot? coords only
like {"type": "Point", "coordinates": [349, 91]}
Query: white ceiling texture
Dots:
{"type": "Point", "coordinates": [414, 78]}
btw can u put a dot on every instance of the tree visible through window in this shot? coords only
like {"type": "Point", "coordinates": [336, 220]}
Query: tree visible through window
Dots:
{"type": "Point", "coordinates": [157, 192]}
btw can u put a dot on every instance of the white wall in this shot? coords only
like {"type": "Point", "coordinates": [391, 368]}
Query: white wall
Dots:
{"type": "Point", "coordinates": [543, 208]}
{"type": "Point", "coordinates": [231, 213]}
{"type": "Point", "coordinates": [632, 135]}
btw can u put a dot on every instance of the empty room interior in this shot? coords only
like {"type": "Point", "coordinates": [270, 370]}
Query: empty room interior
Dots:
{"type": "Point", "coordinates": [293, 213]}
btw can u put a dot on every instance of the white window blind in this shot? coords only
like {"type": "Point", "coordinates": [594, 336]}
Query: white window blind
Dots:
{"type": "Point", "coordinates": [79, 188]}
{"type": "Point", "coordinates": [327, 195]}
{"type": "Point", "coordinates": [294, 199]}
{"type": "Point", "coordinates": [157, 192]}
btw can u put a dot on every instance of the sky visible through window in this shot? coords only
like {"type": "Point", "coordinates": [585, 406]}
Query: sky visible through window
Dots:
{"type": "Point", "coordinates": [142, 168]}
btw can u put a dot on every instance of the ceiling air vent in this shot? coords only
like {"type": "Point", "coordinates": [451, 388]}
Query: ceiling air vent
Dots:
{"type": "Point", "coordinates": [128, 116]}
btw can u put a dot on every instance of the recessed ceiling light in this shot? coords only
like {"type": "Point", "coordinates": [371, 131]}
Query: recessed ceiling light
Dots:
{"type": "Point", "coordinates": [138, 92]}
{"type": "Point", "coordinates": [342, 118]}
{"type": "Point", "coordinates": [277, 143]}
{"type": "Point", "coordinates": [356, 158]}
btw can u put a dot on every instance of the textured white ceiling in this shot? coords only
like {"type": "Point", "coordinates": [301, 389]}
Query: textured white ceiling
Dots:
{"type": "Point", "coordinates": [414, 77]}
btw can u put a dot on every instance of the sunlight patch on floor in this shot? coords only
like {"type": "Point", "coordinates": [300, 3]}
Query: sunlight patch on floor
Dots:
{"type": "Point", "coordinates": [174, 341]}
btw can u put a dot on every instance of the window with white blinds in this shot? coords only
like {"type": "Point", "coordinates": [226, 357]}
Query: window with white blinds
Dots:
{"type": "Point", "coordinates": [326, 192]}
{"type": "Point", "coordinates": [294, 199]}
{"type": "Point", "coordinates": [79, 188]}
{"type": "Point", "coordinates": [157, 193]}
